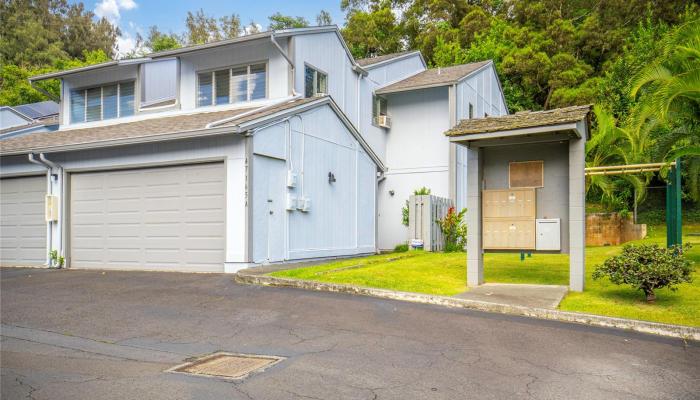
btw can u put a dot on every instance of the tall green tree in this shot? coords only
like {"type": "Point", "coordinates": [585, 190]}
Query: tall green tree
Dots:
{"type": "Point", "coordinates": [279, 21]}
{"type": "Point", "coordinates": [38, 33]}
{"type": "Point", "coordinates": [668, 91]}
{"type": "Point", "coordinates": [324, 18]}
{"type": "Point", "coordinates": [159, 41]}
{"type": "Point", "coordinates": [371, 30]}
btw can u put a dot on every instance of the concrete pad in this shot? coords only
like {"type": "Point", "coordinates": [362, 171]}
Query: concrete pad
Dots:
{"type": "Point", "coordinates": [539, 296]}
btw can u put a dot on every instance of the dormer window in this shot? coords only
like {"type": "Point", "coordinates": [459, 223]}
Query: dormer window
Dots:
{"type": "Point", "coordinates": [232, 85]}
{"type": "Point", "coordinates": [102, 102]}
{"type": "Point", "coordinates": [315, 82]}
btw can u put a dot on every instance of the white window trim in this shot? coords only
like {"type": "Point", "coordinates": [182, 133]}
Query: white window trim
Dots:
{"type": "Point", "coordinates": [84, 90]}
{"type": "Point", "coordinates": [230, 69]}
{"type": "Point", "coordinates": [315, 81]}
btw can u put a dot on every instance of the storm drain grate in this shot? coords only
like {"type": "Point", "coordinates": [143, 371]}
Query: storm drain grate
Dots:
{"type": "Point", "coordinates": [227, 365]}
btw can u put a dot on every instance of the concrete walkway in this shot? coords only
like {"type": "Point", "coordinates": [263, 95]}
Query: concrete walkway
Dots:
{"type": "Point", "coordinates": [538, 296]}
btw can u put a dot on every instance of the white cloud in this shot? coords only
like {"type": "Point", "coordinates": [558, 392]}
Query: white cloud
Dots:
{"type": "Point", "coordinates": [247, 30]}
{"type": "Point", "coordinates": [125, 44]}
{"type": "Point", "coordinates": [111, 9]}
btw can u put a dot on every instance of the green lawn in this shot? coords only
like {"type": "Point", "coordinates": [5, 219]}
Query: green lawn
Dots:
{"type": "Point", "coordinates": [444, 274]}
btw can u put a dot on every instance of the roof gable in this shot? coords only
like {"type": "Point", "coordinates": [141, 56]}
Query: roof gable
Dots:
{"type": "Point", "coordinates": [371, 62]}
{"type": "Point", "coordinates": [434, 77]}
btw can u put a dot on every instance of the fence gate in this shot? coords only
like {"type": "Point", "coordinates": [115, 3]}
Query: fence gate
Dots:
{"type": "Point", "coordinates": [423, 213]}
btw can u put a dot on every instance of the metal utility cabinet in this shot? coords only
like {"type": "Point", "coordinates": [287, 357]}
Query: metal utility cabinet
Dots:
{"type": "Point", "coordinates": [548, 234]}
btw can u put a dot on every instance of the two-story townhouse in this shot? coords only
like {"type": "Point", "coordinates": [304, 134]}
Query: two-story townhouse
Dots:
{"type": "Point", "coordinates": [264, 148]}
{"type": "Point", "coordinates": [206, 158]}
{"type": "Point", "coordinates": [421, 107]}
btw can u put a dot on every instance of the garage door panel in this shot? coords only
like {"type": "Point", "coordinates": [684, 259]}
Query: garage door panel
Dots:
{"type": "Point", "coordinates": [22, 225]}
{"type": "Point", "coordinates": [169, 218]}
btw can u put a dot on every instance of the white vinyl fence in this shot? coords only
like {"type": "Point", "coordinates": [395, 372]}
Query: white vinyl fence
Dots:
{"type": "Point", "coordinates": [423, 213]}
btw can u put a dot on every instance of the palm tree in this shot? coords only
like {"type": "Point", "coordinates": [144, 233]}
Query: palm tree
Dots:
{"type": "Point", "coordinates": [611, 144]}
{"type": "Point", "coordinates": [669, 93]}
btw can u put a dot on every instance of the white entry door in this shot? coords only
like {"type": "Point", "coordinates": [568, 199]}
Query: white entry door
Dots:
{"type": "Point", "coordinates": [269, 193]}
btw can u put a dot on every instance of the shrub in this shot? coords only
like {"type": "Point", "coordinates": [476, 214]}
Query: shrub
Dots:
{"type": "Point", "coordinates": [454, 230]}
{"type": "Point", "coordinates": [401, 248]}
{"type": "Point", "coordinates": [647, 268]}
{"type": "Point", "coordinates": [404, 210]}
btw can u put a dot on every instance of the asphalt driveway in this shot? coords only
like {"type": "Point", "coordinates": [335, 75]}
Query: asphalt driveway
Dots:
{"type": "Point", "coordinates": [94, 335]}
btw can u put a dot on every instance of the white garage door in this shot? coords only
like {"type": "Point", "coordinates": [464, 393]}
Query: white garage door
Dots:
{"type": "Point", "coordinates": [169, 218]}
{"type": "Point", "coordinates": [22, 226]}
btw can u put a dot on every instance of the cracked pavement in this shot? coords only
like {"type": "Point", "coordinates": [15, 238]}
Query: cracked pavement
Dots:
{"type": "Point", "coordinates": [87, 334]}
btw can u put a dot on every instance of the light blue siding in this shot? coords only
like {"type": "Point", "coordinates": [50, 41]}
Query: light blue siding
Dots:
{"type": "Point", "coordinates": [380, 76]}
{"type": "Point", "coordinates": [483, 92]}
{"type": "Point", "coordinates": [341, 220]}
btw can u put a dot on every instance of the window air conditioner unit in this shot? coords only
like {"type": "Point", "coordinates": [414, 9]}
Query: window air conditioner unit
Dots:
{"type": "Point", "coordinates": [384, 121]}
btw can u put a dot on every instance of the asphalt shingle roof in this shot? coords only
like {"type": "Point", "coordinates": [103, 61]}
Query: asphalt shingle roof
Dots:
{"type": "Point", "coordinates": [136, 129]}
{"type": "Point", "coordinates": [433, 77]}
{"type": "Point", "coordinates": [520, 120]}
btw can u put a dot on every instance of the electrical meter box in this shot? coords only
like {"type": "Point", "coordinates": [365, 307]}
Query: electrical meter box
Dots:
{"type": "Point", "coordinates": [51, 208]}
{"type": "Point", "coordinates": [291, 179]}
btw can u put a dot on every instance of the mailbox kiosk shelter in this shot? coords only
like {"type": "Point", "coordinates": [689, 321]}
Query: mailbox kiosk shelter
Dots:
{"type": "Point", "coordinates": [526, 186]}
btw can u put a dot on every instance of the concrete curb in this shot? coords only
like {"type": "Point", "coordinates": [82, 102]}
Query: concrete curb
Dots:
{"type": "Point", "coordinates": [677, 331]}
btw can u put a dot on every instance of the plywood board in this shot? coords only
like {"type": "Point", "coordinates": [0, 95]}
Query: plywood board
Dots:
{"type": "Point", "coordinates": [526, 174]}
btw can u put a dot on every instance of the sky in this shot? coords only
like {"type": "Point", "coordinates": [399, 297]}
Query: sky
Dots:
{"type": "Point", "coordinates": [136, 16]}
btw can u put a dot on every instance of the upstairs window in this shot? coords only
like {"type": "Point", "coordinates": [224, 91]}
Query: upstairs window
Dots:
{"type": "Point", "coordinates": [232, 85]}
{"type": "Point", "coordinates": [102, 102]}
{"type": "Point", "coordinates": [379, 107]}
{"type": "Point", "coordinates": [315, 82]}
{"type": "Point", "coordinates": [380, 116]}
{"type": "Point", "coordinates": [471, 111]}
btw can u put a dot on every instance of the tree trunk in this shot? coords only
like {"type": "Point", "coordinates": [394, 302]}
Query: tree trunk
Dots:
{"type": "Point", "coordinates": [651, 297]}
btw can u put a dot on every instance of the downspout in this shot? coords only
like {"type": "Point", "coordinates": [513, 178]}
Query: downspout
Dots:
{"type": "Point", "coordinates": [289, 60]}
{"type": "Point", "coordinates": [48, 191]}
{"type": "Point", "coordinates": [59, 181]}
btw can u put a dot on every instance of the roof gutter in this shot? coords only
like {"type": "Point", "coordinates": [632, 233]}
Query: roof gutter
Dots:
{"type": "Point", "coordinates": [43, 91]}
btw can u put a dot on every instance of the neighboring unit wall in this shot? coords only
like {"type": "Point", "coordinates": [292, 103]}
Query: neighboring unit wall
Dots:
{"type": "Point", "coordinates": [341, 217]}
{"type": "Point", "coordinates": [227, 148]}
{"type": "Point", "coordinates": [380, 76]}
{"type": "Point", "coordinates": [9, 119]}
{"type": "Point", "coordinates": [553, 198]}
{"type": "Point", "coordinates": [417, 156]}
